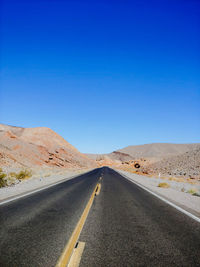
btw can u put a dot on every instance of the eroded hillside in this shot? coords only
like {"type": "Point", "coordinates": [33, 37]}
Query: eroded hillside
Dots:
{"type": "Point", "coordinates": [38, 147]}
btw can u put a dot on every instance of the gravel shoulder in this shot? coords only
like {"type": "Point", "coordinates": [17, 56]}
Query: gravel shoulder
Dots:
{"type": "Point", "coordinates": [174, 194]}
{"type": "Point", "coordinates": [38, 181]}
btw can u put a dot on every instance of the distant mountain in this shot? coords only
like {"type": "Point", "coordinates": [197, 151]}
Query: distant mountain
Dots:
{"type": "Point", "coordinates": [41, 146]}
{"type": "Point", "coordinates": [115, 155]}
{"type": "Point", "coordinates": [158, 150]}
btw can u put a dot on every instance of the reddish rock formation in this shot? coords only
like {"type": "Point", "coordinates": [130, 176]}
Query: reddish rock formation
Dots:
{"type": "Point", "coordinates": [41, 146]}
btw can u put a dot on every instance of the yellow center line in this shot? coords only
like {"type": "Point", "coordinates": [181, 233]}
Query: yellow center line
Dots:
{"type": "Point", "coordinates": [67, 252]}
{"type": "Point", "coordinates": [98, 190]}
{"type": "Point", "coordinates": [76, 256]}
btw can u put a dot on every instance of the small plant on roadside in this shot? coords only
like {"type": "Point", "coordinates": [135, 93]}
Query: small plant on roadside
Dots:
{"type": "Point", "coordinates": [164, 185]}
{"type": "Point", "coordinates": [13, 174]}
{"type": "Point", "coordinates": [24, 174]}
{"type": "Point", "coordinates": [197, 194]}
{"type": "Point", "coordinates": [2, 175]}
{"type": "Point", "coordinates": [192, 191]}
{"type": "Point", "coordinates": [13, 177]}
{"type": "Point", "coordinates": [46, 175]}
{"type": "Point", "coordinates": [3, 182]}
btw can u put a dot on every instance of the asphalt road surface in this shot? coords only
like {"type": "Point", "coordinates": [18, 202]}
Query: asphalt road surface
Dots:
{"type": "Point", "coordinates": [126, 226]}
{"type": "Point", "coordinates": [35, 229]}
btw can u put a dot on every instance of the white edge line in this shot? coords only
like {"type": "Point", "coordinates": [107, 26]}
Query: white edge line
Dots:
{"type": "Point", "coordinates": [38, 190]}
{"type": "Point", "coordinates": [163, 199]}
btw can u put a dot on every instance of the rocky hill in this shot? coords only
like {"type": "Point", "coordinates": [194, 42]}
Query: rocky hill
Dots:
{"type": "Point", "coordinates": [158, 150]}
{"type": "Point", "coordinates": [41, 146]}
{"type": "Point", "coordinates": [184, 165]}
{"type": "Point", "coordinates": [167, 159]}
{"type": "Point", "coordinates": [150, 152]}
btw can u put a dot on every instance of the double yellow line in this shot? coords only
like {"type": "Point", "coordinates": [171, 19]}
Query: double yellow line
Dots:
{"type": "Point", "coordinates": [67, 252]}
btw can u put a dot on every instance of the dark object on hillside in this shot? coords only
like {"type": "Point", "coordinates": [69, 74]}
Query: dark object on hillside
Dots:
{"type": "Point", "coordinates": [137, 165]}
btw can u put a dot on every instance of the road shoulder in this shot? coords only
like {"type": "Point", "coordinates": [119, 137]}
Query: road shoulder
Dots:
{"type": "Point", "coordinates": [184, 200]}
{"type": "Point", "coordinates": [35, 184]}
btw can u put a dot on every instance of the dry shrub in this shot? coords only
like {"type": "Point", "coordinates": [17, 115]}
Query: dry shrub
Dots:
{"type": "Point", "coordinates": [3, 182]}
{"type": "Point", "coordinates": [192, 191]}
{"type": "Point", "coordinates": [24, 174]}
{"type": "Point", "coordinates": [164, 185]}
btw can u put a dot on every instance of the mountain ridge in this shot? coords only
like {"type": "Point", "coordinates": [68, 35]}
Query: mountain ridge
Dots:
{"type": "Point", "coordinates": [39, 146]}
{"type": "Point", "coordinates": [152, 150]}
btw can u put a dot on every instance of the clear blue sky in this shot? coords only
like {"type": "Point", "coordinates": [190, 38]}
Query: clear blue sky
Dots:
{"type": "Point", "coordinates": [103, 74]}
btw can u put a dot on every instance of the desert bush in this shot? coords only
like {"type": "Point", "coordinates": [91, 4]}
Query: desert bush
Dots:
{"type": "Point", "coordinates": [46, 175]}
{"type": "Point", "coordinates": [192, 191]}
{"type": "Point", "coordinates": [3, 182]}
{"type": "Point", "coordinates": [196, 194]}
{"type": "Point", "coordinates": [24, 174]}
{"type": "Point", "coordinates": [164, 185]}
{"type": "Point", "coordinates": [11, 179]}
{"type": "Point", "coordinates": [2, 175]}
{"type": "Point", "coordinates": [13, 174]}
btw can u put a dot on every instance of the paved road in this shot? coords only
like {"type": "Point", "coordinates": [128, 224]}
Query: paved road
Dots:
{"type": "Point", "coordinates": [35, 229]}
{"type": "Point", "coordinates": [126, 226]}
{"type": "Point", "coordinates": [129, 227]}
